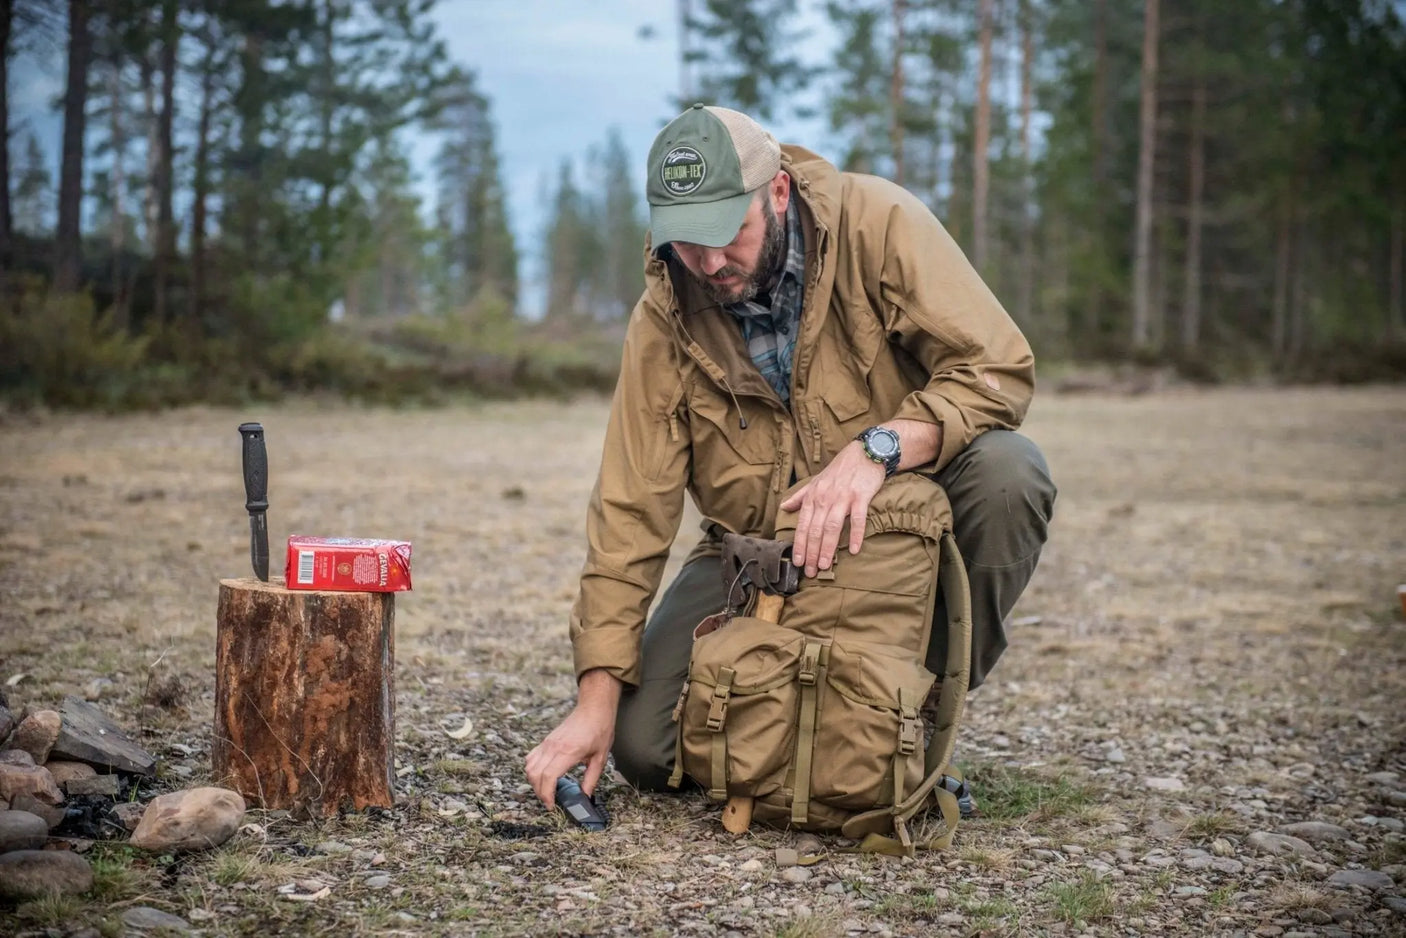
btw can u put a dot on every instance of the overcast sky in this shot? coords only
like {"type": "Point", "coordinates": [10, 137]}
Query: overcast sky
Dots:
{"type": "Point", "coordinates": [559, 75]}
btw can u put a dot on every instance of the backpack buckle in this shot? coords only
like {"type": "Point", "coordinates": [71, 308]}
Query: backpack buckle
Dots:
{"type": "Point", "coordinates": [810, 665]}
{"type": "Point", "coordinates": [717, 705]}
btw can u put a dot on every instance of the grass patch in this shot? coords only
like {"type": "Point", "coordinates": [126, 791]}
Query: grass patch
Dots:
{"type": "Point", "coordinates": [808, 926]}
{"type": "Point", "coordinates": [1083, 901]}
{"type": "Point", "coordinates": [115, 877]}
{"type": "Point", "coordinates": [1291, 897]}
{"type": "Point", "coordinates": [52, 910]}
{"type": "Point", "coordinates": [1009, 793]}
{"type": "Point", "coordinates": [988, 858]}
{"type": "Point", "coordinates": [1207, 827]}
{"type": "Point", "coordinates": [991, 914]}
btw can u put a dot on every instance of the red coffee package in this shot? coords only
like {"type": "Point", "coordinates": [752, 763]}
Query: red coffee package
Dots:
{"type": "Point", "coordinates": [350, 564]}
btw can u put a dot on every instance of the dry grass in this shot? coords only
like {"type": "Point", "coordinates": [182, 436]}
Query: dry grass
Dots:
{"type": "Point", "coordinates": [1217, 603]}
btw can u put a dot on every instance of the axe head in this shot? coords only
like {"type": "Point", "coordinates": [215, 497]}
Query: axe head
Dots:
{"type": "Point", "coordinates": [750, 563]}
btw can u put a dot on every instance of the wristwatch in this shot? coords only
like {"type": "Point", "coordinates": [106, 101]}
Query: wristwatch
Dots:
{"type": "Point", "coordinates": [881, 445]}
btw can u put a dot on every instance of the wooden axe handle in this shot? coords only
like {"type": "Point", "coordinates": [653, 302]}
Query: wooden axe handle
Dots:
{"type": "Point", "coordinates": [737, 815]}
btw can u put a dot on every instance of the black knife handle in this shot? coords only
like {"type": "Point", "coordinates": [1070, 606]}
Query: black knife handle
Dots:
{"type": "Point", "coordinates": [256, 468]}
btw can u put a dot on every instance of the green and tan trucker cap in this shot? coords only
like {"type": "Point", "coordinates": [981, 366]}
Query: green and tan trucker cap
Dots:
{"type": "Point", "coordinates": [703, 169]}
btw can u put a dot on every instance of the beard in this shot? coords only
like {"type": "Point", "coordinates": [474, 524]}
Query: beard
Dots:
{"type": "Point", "coordinates": [762, 275]}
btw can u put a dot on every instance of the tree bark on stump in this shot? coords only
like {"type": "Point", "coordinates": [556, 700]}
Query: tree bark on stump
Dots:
{"type": "Point", "coordinates": [305, 697]}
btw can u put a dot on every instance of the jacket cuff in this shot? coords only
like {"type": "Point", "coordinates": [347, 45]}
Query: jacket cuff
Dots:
{"type": "Point", "coordinates": [612, 649]}
{"type": "Point", "coordinates": [929, 408]}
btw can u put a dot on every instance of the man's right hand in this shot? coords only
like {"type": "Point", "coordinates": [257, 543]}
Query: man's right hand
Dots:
{"type": "Point", "coordinates": [584, 736]}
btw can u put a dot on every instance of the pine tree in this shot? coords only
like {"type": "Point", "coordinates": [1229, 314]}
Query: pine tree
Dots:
{"type": "Point", "coordinates": [744, 53]}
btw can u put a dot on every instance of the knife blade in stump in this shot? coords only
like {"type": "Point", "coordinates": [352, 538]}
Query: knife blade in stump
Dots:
{"type": "Point", "coordinates": [256, 495]}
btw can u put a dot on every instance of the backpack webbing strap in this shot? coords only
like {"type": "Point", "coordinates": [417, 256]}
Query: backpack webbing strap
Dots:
{"type": "Point", "coordinates": [811, 674]}
{"type": "Point", "coordinates": [956, 593]}
{"type": "Point", "coordinates": [676, 776]}
{"type": "Point", "coordinates": [717, 718]}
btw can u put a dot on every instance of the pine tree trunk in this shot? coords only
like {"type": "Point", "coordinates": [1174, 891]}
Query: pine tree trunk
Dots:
{"type": "Point", "coordinates": [150, 201]}
{"type": "Point", "coordinates": [1395, 309]}
{"type": "Point", "coordinates": [1191, 299]}
{"type": "Point", "coordinates": [896, 93]}
{"type": "Point", "coordinates": [685, 86]}
{"type": "Point", "coordinates": [117, 184]}
{"type": "Point", "coordinates": [1026, 277]}
{"type": "Point", "coordinates": [200, 194]}
{"type": "Point", "coordinates": [1279, 339]}
{"type": "Point", "coordinates": [165, 218]}
{"type": "Point", "coordinates": [68, 238]}
{"type": "Point", "coordinates": [249, 102]}
{"type": "Point", "coordinates": [1147, 146]}
{"type": "Point", "coordinates": [1099, 136]}
{"type": "Point", "coordinates": [980, 169]}
{"type": "Point", "coordinates": [7, 9]}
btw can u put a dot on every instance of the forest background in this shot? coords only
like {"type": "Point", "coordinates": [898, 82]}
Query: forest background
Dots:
{"type": "Point", "coordinates": [234, 214]}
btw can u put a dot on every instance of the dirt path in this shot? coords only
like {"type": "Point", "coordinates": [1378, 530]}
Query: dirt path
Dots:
{"type": "Point", "coordinates": [1211, 650]}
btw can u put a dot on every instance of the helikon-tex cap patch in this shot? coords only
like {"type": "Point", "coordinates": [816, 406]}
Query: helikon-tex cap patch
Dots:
{"type": "Point", "coordinates": [703, 169]}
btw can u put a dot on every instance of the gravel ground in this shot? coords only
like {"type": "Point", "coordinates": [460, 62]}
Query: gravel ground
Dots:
{"type": "Point", "coordinates": [1208, 663]}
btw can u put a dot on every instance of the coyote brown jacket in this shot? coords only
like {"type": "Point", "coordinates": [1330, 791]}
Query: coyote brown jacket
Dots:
{"type": "Point", "coordinates": [895, 324]}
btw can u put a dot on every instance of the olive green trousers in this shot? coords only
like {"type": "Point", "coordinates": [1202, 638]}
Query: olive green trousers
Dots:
{"type": "Point", "coordinates": [1002, 501]}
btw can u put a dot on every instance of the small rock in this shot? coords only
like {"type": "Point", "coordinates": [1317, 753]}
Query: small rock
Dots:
{"type": "Point", "coordinates": [1222, 847]}
{"type": "Point", "coordinates": [751, 866]}
{"type": "Point", "coordinates": [108, 785]}
{"type": "Point", "coordinates": [196, 819]}
{"type": "Point", "coordinates": [1368, 879]}
{"type": "Point", "coordinates": [379, 881]}
{"type": "Point", "coordinates": [1115, 755]}
{"type": "Point", "coordinates": [1279, 844]}
{"type": "Point", "coordinates": [53, 815]}
{"type": "Point", "coordinates": [333, 848]}
{"type": "Point", "coordinates": [32, 780]}
{"type": "Point", "coordinates": [94, 689]}
{"type": "Point", "coordinates": [1190, 890]}
{"type": "Point", "coordinates": [796, 874]}
{"type": "Point", "coordinates": [1315, 831]}
{"type": "Point", "coordinates": [7, 722]}
{"type": "Point", "coordinates": [1164, 784]}
{"type": "Point", "coordinates": [1397, 799]}
{"type": "Point", "coordinates": [37, 734]}
{"type": "Point", "coordinates": [1312, 916]}
{"type": "Point", "coordinates": [65, 772]}
{"type": "Point", "coordinates": [20, 830]}
{"type": "Point", "coordinates": [89, 736]}
{"type": "Point", "coordinates": [201, 915]}
{"type": "Point", "coordinates": [31, 874]}
{"type": "Point", "coordinates": [835, 889]}
{"type": "Point", "coordinates": [1228, 865]}
{"type": "Point", "coordinates": [145, 918]}
{"type": "Point", "coordinates": [1395, 903]}
{"type": "Point", "coordinates": [129, 813]}
{"type": "Point", "coordinates": [15, 757]}
{"type": "Point", "coordinates": [1383, 778]}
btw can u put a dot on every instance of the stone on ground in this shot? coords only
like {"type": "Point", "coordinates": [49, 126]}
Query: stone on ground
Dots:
{"type": "Point", "coordinates": [32, 780]}
{"type": "Point", "coordinates": [37, 734]}
{"type": "Point", "coordinates": [20, 830]}
{"type": "Point", "coordinates": [89, 736]}
{"type": "Point", "coordinates": [144, 918]}
{"type": "Point", "coordinates": [65, 772]}
{"type": "Point", "coordinates": [197, 819]}
{"type": "Point", "coordinates": [1279, 844]}
{"type": "Point", "coordinates": [32, 874]}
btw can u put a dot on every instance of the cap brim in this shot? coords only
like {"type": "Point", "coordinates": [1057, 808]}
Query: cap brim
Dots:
{"type": "Point", "coordinates": [711, 224]}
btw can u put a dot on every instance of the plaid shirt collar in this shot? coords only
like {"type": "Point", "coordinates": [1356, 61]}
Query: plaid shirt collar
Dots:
{"type": "Point", "coordinates": [769, 322]}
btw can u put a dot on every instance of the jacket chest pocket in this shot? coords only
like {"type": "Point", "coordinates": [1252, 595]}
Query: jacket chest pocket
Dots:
{"type": "Point", "coordinates": [716, 424]}
{"type": "Point", "coordinates": [844, 362]}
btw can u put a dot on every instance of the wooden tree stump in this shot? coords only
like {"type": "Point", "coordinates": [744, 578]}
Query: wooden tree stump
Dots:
{"type": "Point", "coordinates": [305, 697]}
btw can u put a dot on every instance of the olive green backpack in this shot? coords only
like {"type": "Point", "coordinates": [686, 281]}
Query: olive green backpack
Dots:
{"type": "Point", "coordinates": [813, 719]}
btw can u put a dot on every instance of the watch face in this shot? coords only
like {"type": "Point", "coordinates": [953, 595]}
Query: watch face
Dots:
{"type": "Point", "coordinates": [882, 443]}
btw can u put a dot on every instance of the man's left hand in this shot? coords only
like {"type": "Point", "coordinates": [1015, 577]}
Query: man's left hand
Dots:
{"type": "Point", "coordinates": [840, 491]}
